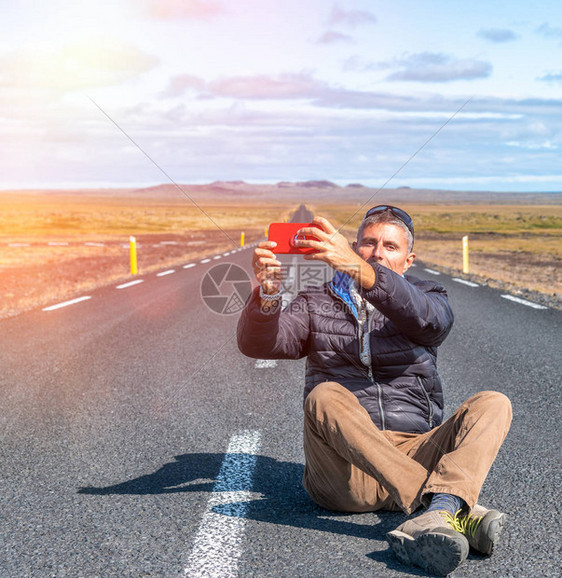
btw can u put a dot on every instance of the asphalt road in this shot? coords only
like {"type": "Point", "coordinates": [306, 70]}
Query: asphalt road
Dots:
{"type": "Point", "coordinates": [138, 441]}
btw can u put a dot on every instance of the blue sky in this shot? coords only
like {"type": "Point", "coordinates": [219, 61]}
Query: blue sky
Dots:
{"type": "Point", "coordinates": [265, 90]}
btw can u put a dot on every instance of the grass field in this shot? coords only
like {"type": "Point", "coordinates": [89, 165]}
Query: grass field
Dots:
{"type": "Point", "coordinates": [517, 247]}
{"type": "Point", "coordinates": [43, 216]}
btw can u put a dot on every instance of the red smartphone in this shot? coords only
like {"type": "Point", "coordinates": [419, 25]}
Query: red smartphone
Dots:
{"type": "Point", "coordinates": [285, 234]}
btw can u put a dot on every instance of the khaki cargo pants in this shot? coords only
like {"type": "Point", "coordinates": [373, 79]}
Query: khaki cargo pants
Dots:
{"type": "Point", "coordinates": [352, 466]}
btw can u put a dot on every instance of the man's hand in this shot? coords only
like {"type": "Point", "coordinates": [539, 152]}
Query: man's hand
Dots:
{"type": "Point", "coordinates": [267, 268]}
{"type": "Point", "coordinates": [334, 250]}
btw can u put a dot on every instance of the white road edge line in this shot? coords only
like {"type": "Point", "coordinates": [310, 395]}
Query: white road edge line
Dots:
{"type": "Point", "coordinates": [524, 302]}
{"type": "Point", "coordinates": [189, 265]}
{"type": "Point", "coordinates": [465, 282]}
{"type": "Point", "coordinates": [265, 363]}
{"type": "Point", "coordinates": [66, 303]}
{"type": "Point", "coordinates": [432, 272]}
{"type": "Point", "coordinates": [216, 547]}
{"type": "Point", "coordinates": [163, 273]}
{"type": "Point", "coordinates": [130, 284]}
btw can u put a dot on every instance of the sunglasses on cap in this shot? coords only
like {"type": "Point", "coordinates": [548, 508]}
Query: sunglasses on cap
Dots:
{"type": "Point", "coordinates": [398, 213]}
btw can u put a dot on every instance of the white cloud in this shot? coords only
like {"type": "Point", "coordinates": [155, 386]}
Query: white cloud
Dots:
{"type": "Point", "coordinates": [549, 31]}
{"type": "Point", "coordinates": [423, 67]}
{"type": "Point", "coordinates": [306, 87]}
{"type": "Point", "coordinates": [552, 77]}
{"type": "Point", "coordinates": [352, 18]}
{"type": "Point", "coordinates": [497, 35]}
{"type": "Point", "coordinates": [533, 145]}
{"type": "Point", "coordinates": [184, 83]}
{"type": "Point", "coordinates": [184, 9]}
{"type": "Point", "coordinates": [332, 37]}
{"type": "Point", "coordinates": [258, 87]}
{"type": "Point", "coordinates": [437, 67]}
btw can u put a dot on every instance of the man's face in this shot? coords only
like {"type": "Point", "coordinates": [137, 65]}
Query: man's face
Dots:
{"type": "Point", "coordinates": [386, 244]}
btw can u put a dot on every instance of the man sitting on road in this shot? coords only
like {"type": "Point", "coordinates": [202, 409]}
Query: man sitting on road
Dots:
{"type": "Point", "coordinates": [373, 437]}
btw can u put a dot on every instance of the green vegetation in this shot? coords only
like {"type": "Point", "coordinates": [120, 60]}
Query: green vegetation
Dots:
{"type": "Point", "coordinates": [494, 220]}
{"type": "Point", "coordinates": [483, 222]}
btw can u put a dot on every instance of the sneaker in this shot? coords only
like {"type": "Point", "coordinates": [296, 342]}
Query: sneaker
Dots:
{"type": "Point", "coordinates": [482, 528]}
{"type": "Point", "coordinates": [431, 542]}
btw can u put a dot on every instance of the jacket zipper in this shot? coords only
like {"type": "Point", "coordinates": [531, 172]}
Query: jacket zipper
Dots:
{"type": "Point", "coordinates": [362, 339]}
{"type": "Point", "coordinates": [370, 369]}
{"type": "Point", "coordinates": [379, 397]}
{"type": "Point", "coordinates": [429, 404]}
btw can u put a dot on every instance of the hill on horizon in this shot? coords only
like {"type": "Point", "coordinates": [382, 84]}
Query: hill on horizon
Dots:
{"type": "Point", "coordinates": [302, 192]}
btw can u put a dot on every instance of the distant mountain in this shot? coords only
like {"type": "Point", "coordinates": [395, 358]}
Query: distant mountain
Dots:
{"type": "Point", "coordinates": [312, 191]}
{"type": "Point", "coordinates": [227, 183]}
{"type": "Point", "coordinates": [317, 185]}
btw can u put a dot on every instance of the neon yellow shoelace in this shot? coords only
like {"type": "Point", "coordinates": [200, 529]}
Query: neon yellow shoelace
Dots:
{"type": "Point", "coordinates": [451, 520]}
{"type": "Point", "coordinates": [466, 524]}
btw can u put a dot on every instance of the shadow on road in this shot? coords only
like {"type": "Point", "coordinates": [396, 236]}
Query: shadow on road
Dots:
{"type": "Point", "coordinates": [284, 500]}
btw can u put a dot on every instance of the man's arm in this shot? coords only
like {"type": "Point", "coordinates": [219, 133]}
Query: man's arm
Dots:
{"type": "Point", "coordinates": [266, 332]}
{"type": "Point", "coordinates": [334, 250]}
{"type": "Point", "coordinates": [421, 311]}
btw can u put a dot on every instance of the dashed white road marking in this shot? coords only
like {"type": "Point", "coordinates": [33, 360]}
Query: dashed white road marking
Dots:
{"type": "Point", "coordinates": [189, 265]}
{"type": "Point", "coordinates": [92, 244]}
{"type": "Point", "coordinates": [169, 243]}
{"type": "Point", "coordinates": [226, 254]}
{"type": "Point", "coordinates": [432, 272]}
{"type": "Point", "coordinates": [130, 284]}
{"type": "Point", "coordinates": [217, 256]}
{"type": "Point", "coordinates": [18, 244]}
{"type": "Point", "coordinates": [164, 273]}
{"type": "Point", "coordinates": [66, 303]}
{"type": "Point", "coordinates": [265, 363]}
{"type": "Point", "coordinates": [465, 282]}
{"type": "Point", "coordinates": [216, 547]}
{"type": "Point", "coordinates": [524, 302]}
{"type": "Point", "coordinates": [57, 244]}
{"type": "Point", "coordinates": [205, 261]}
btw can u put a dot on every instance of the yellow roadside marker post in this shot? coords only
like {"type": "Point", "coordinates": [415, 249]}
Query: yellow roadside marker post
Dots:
{"type": "Point", "coordinates": [133, 246]}
{"type": "Point", "coordinates": [242, 239]}
{"type": "Point", "coordinates": [265, 232]}
{"type": "Point", "coordinates": [465, 254]}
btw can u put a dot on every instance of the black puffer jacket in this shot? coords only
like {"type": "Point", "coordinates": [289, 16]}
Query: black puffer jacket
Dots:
{"type": "Point", "coordinates": [401, 390]}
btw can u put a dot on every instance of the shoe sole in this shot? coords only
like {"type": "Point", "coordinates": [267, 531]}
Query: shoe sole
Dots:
{"type": "Point", "coordinates": [437, 553]}
{"type": "Point", "coordinates": [492, 527]}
